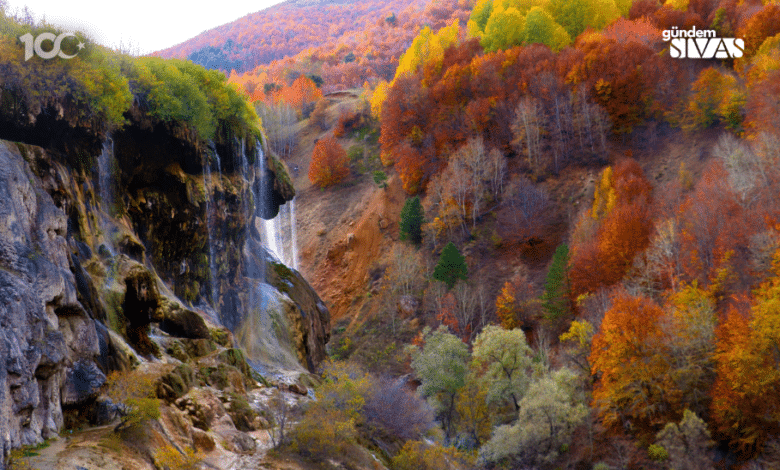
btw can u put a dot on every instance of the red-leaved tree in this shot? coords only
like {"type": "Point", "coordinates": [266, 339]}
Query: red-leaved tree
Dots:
{"type": "Point", "coordinates": [329, 163]}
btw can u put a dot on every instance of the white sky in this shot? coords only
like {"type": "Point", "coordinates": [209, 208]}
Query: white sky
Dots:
{"type": "Point", "coordinates": [139, 25]}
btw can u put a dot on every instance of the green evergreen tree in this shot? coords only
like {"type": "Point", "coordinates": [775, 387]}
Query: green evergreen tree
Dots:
{"type": "Point", "coordinates": [412, 220]}
{"type": "Point", "coordinates": [555, 299]}
{"type": "Point", "coordinates": [451, 266]}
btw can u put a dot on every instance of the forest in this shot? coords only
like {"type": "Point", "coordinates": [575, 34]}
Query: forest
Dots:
{"type": "Point", "coordinates": [633, 331]}
{"type": "Point", "coordinates": [554, 289]}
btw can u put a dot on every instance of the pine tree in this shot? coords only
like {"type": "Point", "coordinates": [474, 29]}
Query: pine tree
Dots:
{"type": "Point", "coordinates": [451, 266]}
{"type": "Point", "coordinates": [555, 299]}
{"type": "Point", "coordinates": [411, 220]}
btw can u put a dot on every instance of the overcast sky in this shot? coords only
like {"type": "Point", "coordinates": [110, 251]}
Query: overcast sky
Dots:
{"type": "Point", "coordinates": [140, 25]}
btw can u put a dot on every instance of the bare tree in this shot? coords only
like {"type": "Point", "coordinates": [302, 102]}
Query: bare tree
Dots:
{"type": "Point", "coordinates": [392, 407]}
{"type": "Point", "coordinates": [403, 277]}
{"type": "Point", "coordinates": [527, 129]}
{"type": "Point", "coordinates": [524, 210]}
{"type": "Point", "coordinates": [279, 121]}
{"type": "Point", "coordinates": [591, 123]}
{"type": "Point", "coordinates": [282, 413]}
{"type": "Point", "coordinates": [496, 172]}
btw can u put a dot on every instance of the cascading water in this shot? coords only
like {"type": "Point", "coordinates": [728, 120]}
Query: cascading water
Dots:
{"type": "Point", "coordinates": [263, 329]}
{"type": "Point", "coordinates": [279, 233]}
{"type": "Point", "coordinates": [105, 169]}
{"type": "Point", "coordinates": [106, 163]}
{"type": "Point", "coordinates": [211, 190]}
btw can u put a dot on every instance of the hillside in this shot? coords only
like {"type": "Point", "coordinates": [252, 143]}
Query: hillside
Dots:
{"type": "Point", "coordinates": [344, 42]}
{"type": "Point", "coordinates": [531, 235]}
{"type": "Point", "coordinates": [294, 26]}
{"type": "Point", "coordinates": [596, 213]}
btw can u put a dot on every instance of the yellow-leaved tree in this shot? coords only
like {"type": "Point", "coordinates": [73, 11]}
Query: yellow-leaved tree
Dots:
{"type": "Point", "coordinates": [746, 396]}
{"type": "Point", "coordinates": [427, 49]}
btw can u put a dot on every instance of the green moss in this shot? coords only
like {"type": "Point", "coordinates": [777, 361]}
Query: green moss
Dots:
{"type": "Point", "coordinates": [115, 315]}
{"type": "Point", "coordinates": [235, 358]}
{"type": "Point", "coordinates": [177, 350]}
{"type": "Point", "coordinates": [281, 172]}
{"type": "Point", "coordinates": [241, 413]}
{"type": "Point", "coordinates": [23, 151]}
{"type": "Point", "coordinates": [283, 272]}
{"type": "Point", "coordinates": [221, 336]}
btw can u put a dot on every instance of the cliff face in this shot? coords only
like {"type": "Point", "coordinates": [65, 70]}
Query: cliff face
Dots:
{"type": "Point", "coordinates": [46, 336]}
{"type": "Point", "coordinates": [90, 259]}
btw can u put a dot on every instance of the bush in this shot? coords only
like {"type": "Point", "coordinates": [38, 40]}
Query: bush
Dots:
{"type": "Point", "coordinates": [657, 453]}
{"type": "Point", "coordinates": [417, 455]}
{"type": "Point", "coordinates": [168, 458]}
{"type": "Point", "coordinates": [380, 178]}
{"type": "Point", "coordinates": [318, 116]}
{"type": "Point", "coordinates": [329, 425]}
{"type": "Point", "coordinates": [137, 392]}
{"type": "Point", "coordinates": [391, 407]}
{"type": "Point", "coordinates": [348, 121]}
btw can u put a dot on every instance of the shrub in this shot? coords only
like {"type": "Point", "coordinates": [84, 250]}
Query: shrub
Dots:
{"type": "Point", "coordinates": [137, 392]}
{"type": "Point", "coordinates": [328, 427]}
{"type": "Point", "coordinates": [169, 458]}
{"type": "Point", "coordinates": [348, 121]}
{"type": "Point", "coordinates": [391, 407]}
{"type": "Point", "coordinates": [417, 455]}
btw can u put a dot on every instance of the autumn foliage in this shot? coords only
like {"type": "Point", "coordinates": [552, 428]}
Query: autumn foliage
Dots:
{"type": "Point", "coordinates": [745, 395]}
{"type": "Point", "coordinates": [622, 204]}
{"type": "Point", "coordinates": [329, 163]}
{"type": "Point", "coordinates": [627, 356]}
{"type": "Point", "coordinates": [300, 93]}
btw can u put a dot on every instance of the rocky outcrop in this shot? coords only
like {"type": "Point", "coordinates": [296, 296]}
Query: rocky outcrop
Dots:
{"type": "Point", "coordinates": [85, 286]}
{"type": "Point", "coordinates": [48, 341]}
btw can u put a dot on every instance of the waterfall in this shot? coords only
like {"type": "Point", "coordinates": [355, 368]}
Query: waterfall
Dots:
{"type": "Point", "coordinates": [279, 233]}
{"type": "Point", "coordinates": [106, 169]}
{"type": "Point", "coordinates": [211, 189]}
{"type": "Point", "coordinates": [293, 234]}
{"type": "Point", "coordinates": [262, 325]}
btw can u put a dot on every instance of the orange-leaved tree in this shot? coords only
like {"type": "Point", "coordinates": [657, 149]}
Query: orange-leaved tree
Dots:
{"type": "Point", "coordinates": [303, 91]}
{"type": "Point", "coordinates": [746, 395]}
{"type": "Point", "coordinates": [629, 358]}
{"type": "Point", "coordinates": [621, 203]}
{"type": "Point", "coordinates": [329, 163]}
{"type": "Point", "coordinates": [506, 306]}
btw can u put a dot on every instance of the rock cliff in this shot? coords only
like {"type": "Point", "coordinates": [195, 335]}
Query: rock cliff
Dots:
{"type": "Point", "coordinates": [97, 263]}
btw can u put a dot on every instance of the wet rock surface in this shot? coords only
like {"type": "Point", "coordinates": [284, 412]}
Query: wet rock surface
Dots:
{"type": "Point", "coordinates": [89, 288]}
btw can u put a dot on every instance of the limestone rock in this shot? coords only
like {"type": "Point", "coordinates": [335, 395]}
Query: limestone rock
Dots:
{"type": "Point", "coordinates": [82, 383]}
{"type": "Point", "coordinates": [44, 330]}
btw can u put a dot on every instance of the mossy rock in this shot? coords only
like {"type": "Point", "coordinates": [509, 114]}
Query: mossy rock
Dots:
{"type": "Point", "coordinates": [221, 336]}
{"type": "Point", "coordinates": [235, 357]}
{"type": "Point", "coordinates": [199, 347]}
{"type": "Point", "coordinates": [243, 416]}
{"type": "Point", "coordinates": [223, 377]}
{"type": "Point", "coordinates": [181, 322]}
{"type": "Point", "coordinates": [178, 351]}
{"type": "Point", "coordinates": [176, 384]}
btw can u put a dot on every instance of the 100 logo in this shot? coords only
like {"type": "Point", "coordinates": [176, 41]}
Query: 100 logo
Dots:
{"type": "Point", "coordinates": [35, 44]}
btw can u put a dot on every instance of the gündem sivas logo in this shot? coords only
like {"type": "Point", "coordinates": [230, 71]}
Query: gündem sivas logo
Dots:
{"type": "Point", "coordinates": [702, 44]}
